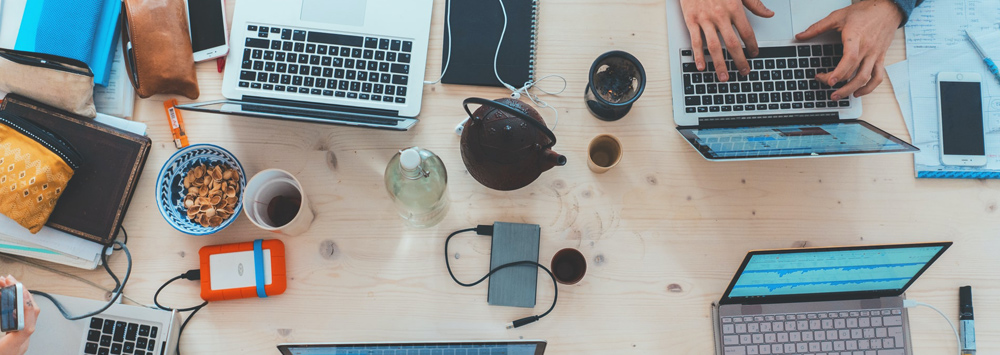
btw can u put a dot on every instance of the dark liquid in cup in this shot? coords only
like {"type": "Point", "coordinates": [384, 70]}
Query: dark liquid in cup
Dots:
{"type": "Point", "coordinates": [283, 209]}
{"type": "Point", "coordinates": [569, 266]}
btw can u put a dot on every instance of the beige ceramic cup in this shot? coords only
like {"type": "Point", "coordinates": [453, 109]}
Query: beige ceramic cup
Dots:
{"type": "Point", "coordinates": [261, 192]}
{"type": "Point", "coordinates": [603, 153]}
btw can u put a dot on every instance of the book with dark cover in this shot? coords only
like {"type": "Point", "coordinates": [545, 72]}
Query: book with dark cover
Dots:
{"type": "Point", "coordinates": [94, 204]}
{"type": "Point", "coordinates": [475, 28]}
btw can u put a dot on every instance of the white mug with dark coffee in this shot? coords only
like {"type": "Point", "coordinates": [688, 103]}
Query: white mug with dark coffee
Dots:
{"type": "Point", "coordinates": [274, 201]}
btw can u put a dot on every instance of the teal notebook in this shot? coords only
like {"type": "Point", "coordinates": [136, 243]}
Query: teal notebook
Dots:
{"type": "Point", "coordinates": [85, 30]}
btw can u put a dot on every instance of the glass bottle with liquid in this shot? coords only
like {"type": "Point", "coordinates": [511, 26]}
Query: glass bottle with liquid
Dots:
{"type": "Point", "coordinates": [417, 183]}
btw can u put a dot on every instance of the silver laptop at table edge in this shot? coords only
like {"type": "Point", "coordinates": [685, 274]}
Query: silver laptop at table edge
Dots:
{"type": "Point", "coordinates": [54, 334]}
{"type": "Point", "coordinates": [894, 299]}
{"type": "Point", "coordinates": [395, 19]}
{"type": "Point", "coordinates": [791, 17]}
{"type": "Point", "coordinates": [287, 348]}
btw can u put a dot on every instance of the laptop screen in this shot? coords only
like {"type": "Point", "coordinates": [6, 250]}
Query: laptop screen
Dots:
{"type": "Point", "coordinates": [857, 271]}
{"type": "Point", "coordinates": [793, 140]}
{"type": "Point", "coordinates": [456, 348]}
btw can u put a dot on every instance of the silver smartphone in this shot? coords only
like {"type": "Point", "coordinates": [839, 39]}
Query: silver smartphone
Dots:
{"type": "Point", "coordinates": [12, 308]}
{"type": "Point", "coordinates": [960, 119]}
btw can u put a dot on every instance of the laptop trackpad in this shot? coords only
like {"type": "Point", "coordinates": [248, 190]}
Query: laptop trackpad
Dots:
{"type": "Point", "coordinates": [341, 12]}
{"type": "Point", "coordinates": [776, 28]}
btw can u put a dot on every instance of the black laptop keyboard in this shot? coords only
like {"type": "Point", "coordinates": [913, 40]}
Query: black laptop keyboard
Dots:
{"type": "Point", "coordinates": [325, 64]}
{"type": "Point", "coordinates": [780, 78]}
{"type": "Point", "coordinates": [110, 337]}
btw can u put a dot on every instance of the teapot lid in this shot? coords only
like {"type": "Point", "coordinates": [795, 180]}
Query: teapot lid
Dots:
{"type": "Point", "coordinates": [512, 111]}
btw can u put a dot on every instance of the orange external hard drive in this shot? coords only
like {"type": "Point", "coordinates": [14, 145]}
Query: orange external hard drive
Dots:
{"type": "Point", "coordinates": [242, 270]}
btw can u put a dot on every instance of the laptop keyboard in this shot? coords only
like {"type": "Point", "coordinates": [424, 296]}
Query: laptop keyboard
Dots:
{"type": "Point", "coordinates": [313, 63]}
{"type": "Point", "coordinates": [110, 337]}
{"type": "Point", "coordinates": [780, 78]}
{"type": "Point", "coordinates": [870, 332]}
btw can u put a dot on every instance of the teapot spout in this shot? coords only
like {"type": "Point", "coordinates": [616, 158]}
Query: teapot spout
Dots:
{"type": "Point", "coordinates": [552, 159]}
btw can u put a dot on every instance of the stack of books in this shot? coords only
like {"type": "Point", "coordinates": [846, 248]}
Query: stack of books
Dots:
{"type": "Point", "coordinates": [89, 214]}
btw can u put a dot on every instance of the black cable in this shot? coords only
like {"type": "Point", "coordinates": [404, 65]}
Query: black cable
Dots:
{"type": "Point", "coordinates": [193, 275]}
{"type": "Point", "coordinates": [124, 233]}
{"type": "Point", "coordinates": [117, 292]}
{"type": "Point", "coordinates": [488, 230]}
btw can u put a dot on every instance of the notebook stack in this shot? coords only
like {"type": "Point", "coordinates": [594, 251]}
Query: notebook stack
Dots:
{"type": "Point", "coordinates": [90, 212]}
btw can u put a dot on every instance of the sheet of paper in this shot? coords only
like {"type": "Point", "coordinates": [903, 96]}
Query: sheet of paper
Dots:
{"type": "Point", "coordinates": [122, 124]}
{"type": "Point", "coordinates": [941, 23]}
{"type": "Point", "coordinates": [49, 238]}
{"type": "Point", "coordinates": [899, 76]}
{"type": "Point", "coordinates": [118, 97]}
{"type": "Point", "coordinates": [923, 70]}
{"type": "Point", "coordinates": [10, 21]}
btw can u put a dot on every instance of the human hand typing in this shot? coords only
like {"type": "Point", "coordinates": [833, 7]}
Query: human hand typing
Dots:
{"type": "Point", "coordinates": [867, 29]}
{"type": "Point", "coordinates": [718, 17]}
{"type": "Point", "coordinates": [16, 343]}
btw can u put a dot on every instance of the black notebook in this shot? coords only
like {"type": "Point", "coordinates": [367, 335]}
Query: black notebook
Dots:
{"type": "Point", "coordinates": [476, 27]}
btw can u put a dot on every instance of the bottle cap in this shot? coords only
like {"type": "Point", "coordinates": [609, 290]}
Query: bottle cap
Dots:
{"type": "Point", "coordinates": [409, 159]}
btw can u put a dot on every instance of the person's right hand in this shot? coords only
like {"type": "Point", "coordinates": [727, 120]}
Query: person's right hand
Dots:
{"type": "Point", "coordinates": [717, 17]}
{"type": "Point", "coordinates": [16, 343]}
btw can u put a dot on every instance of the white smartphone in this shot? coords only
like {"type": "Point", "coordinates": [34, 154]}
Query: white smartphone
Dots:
{"type": "Point", "coordinates": [207, 25]}
{"type": "Point", "coordinates": [12, 308]}
{"type": "Point", "coordinates": [960, 119]}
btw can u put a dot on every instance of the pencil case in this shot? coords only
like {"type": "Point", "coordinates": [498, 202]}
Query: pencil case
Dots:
{"type": "Point", "coordinates": [60, 82]}
{"type": "Point", "coordinates": [35, 167]}
{"type": "Point", "coordinates": [157, 48]}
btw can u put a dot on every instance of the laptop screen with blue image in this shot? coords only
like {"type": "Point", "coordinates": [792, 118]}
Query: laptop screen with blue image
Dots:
{"type": "Point", "coordinates": [815, 272]}
{"type": "Point", "coordinates": [793, 140]}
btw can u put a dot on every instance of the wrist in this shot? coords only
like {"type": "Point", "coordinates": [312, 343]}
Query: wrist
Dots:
{"type": "Point", "coordinates": [892, 9]}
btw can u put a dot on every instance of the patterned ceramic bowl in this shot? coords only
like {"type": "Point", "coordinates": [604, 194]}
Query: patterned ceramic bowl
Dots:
{"type": "Point", "coordinates": [170, 190]}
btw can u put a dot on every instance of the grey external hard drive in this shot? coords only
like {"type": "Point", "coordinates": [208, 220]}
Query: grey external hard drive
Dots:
{"type": "Point", "coordinates": [514, 286]}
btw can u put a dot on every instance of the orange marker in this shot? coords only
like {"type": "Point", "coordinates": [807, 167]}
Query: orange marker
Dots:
{"type": "Point", "coordinates": [176, 124]}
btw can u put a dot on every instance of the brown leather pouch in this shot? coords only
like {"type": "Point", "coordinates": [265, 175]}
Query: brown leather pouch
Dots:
{"type": "Point", "coordinates": [157, 48]}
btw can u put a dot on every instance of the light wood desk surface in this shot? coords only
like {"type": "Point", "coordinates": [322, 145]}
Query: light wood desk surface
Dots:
{"type": "Point", "coordinates": [663, 232]}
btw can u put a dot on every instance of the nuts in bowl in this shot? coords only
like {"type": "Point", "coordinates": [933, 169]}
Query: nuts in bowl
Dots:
{"type": "Point", "coordinates": [212, 194]}
{"type": "Point", "coordinates": [199, 189]}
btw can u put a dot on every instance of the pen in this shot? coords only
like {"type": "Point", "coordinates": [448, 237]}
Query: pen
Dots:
{"type": "Point", "coordinates": [965, 319]}
{"type": "Point", "coordinates": [990, 65]}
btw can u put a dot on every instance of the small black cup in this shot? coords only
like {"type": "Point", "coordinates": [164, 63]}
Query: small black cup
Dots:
{"type": "Point", "coordinates": [617, 80]}
{"type": "Point", "coordinates": [569, 266]}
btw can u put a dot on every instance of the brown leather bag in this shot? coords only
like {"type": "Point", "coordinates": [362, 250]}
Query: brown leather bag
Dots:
{"type": "Point", "coordinates": [157, 48]}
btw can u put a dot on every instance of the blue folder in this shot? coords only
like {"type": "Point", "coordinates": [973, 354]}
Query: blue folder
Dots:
{"type": "Point", "coordinates": [86, 30]}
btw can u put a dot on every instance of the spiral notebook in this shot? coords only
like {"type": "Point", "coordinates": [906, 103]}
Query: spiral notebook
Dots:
{"type": "Point", "coordinates": [476, 27]}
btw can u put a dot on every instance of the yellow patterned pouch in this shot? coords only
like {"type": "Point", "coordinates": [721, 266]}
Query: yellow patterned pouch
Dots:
{"type": "Point", "coordinates": [35, 166]}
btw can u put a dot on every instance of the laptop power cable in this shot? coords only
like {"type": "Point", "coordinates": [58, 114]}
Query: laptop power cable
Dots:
{"type": "Point", "coordinates": [487, 230]}
{"type": "Point", "coordinates": [913, 304]}
{"type": "Point", "coordinates": [193, 275]}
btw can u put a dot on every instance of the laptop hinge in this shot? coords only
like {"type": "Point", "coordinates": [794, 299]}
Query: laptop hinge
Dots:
{"type": "Point", "coordinates": [768, 120]}
{"type": "Point", "coordinates": [322, 107]}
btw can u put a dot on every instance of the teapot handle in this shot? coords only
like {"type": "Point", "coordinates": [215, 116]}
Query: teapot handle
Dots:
{"type": "Point", "coordinates": [513, 111]}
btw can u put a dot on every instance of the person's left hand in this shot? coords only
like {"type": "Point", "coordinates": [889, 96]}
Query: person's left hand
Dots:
{"type": "Point", "coordinates": [16, 343]}
{"type": "Point", "coordinates": [867, 28]}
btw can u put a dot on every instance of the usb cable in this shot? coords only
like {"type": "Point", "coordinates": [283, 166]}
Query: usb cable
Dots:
{"type": "Point", "coordinates": [487, 230]}
{"type": "Point", "coordinates": [912, 304]}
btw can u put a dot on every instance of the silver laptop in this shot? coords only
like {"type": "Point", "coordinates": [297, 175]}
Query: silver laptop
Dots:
{"type": "Point", "coordinates": [514, 347]}
{"type": "Point", "coordinates": [841, 300]}
{"type": "Point", "coordinates": [122, 329]}
{"type": "Point", "coordinates": [350, 62]}
{"type": "Point", "coordinates": [734, 120]}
